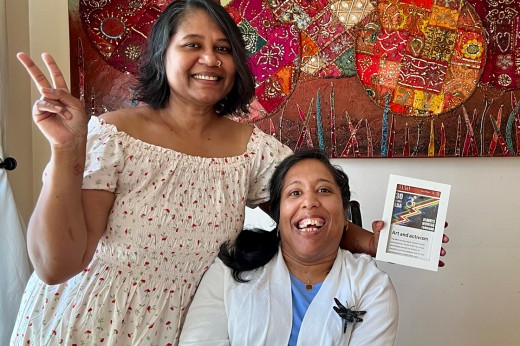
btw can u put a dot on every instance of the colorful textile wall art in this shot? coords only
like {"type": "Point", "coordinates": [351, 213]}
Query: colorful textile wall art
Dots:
{"type": "Point", "coordinates": [358, 78]}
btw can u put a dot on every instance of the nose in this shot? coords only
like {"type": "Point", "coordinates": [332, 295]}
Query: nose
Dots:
{"type": "Point", "coordinates": [310, 200]}
{"type": "Point", "coordinates": [209, 57]}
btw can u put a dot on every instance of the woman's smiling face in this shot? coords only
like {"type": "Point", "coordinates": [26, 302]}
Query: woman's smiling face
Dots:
{"type": "Point", "coordinates": [312, 217]}
{"type": "Point", "coordinates": [199, 63]}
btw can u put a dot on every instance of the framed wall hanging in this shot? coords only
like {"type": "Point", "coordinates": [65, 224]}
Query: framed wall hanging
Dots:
{"type": "Point", "coordinates": [358, 78]}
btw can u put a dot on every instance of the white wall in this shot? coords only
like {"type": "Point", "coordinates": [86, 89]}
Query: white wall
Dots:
{"type": "Point", "coordinates": [18, 134]}
{"type": "Point", "coordinates": [475, 299]}
{"type": "Point", "coordinates": [49, 32]}
{"type": "Point", "coordinates": [33, 27]}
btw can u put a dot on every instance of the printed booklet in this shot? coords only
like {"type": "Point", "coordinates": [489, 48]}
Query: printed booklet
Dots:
{"type": "Point", "coordinates": [414, 215]}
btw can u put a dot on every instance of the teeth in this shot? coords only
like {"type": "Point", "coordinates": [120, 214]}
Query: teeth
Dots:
{"type": "Point", "coordinates": [310, 223]}
{"type": "Point", "coordinates": [204, 77]}
{"type": "Point", "coordinates": [304, 230]}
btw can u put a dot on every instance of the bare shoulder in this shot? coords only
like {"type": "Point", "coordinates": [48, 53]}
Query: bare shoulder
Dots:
{"type": "Point", "coordinates": [127, 119]}
{"type": "Point", "coordinates": [240, 130]}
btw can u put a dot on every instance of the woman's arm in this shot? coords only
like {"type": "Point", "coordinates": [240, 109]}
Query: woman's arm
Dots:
{"type": "Point", "coordinates": [67, 223]}
{"type": "Point", "coordinates": [359, 240]}
{"type": "Point", "coordinates": [356, 239]}
{"type": "Point", "coordinates": [362, 241]}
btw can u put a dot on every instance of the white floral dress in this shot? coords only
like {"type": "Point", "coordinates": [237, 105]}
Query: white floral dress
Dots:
{"type": "Point", "coordinates": [171, 213]}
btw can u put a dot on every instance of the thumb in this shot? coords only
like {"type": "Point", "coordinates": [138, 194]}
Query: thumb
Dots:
{"type": "Point", "coordinates": [377, 226]}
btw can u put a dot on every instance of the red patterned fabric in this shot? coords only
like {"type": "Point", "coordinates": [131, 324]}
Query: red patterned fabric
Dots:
{"type": "Point", "coordinates": [410, 53]}
{"type": "Point", "coordinates": [118, 30]}
{"type": "Point", "coordinates": [501, 19]}
{"type": "Point", "coordinates": [274, 52]}
{"type": "Point", "coordinates": [292, 41]}
{"type": "Point", "coordinates": [285, 39]}
{"type": "Point", "coordinates": [426, 51]}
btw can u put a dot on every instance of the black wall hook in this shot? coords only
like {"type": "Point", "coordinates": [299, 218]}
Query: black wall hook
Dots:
{"type": "Point", "coordinates": [8, 163]}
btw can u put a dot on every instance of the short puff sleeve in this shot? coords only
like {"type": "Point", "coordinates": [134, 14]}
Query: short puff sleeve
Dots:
{"type": "Point", "coordinates": [104, 159]}
{"type": "Point", "coordinates": [269, 153]}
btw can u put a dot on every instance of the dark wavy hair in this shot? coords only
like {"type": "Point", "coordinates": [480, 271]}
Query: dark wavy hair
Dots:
{"type": "Point", "coordinates": [256, 247]}
{"type": "Point", "coordinates": [152, 86]}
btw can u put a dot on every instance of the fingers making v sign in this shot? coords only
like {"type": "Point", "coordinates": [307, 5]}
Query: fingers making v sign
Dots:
{"type": "Point", "coordinates": [60, 116]}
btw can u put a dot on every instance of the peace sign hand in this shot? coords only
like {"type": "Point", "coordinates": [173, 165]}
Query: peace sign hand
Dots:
{"type": "Point", "coordinates": [60, 116]}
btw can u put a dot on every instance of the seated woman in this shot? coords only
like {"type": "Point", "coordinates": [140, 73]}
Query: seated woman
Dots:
{"type": "Point", "coordinates": [295, 286]}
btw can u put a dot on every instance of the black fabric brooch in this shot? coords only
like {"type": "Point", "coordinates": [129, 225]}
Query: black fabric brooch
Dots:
{"type": "Point", "coordinates": [347, 314]}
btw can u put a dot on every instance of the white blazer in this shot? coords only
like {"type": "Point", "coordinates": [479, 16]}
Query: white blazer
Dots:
{"type": "Point", "coordinates": [259, 312]}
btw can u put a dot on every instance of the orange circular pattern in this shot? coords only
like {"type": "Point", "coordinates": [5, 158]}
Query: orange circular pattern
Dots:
{"type": "Point", "coordinates": [422, 58]}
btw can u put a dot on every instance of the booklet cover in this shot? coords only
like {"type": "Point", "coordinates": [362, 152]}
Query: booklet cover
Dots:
{"type": "Point", "coordinates": [414, 215]}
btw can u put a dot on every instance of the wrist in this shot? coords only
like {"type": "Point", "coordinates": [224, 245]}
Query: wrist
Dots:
{"type": "Point", "coordinates": [372, 248]}
{"type": "Point", "coordinates": [67, 160]}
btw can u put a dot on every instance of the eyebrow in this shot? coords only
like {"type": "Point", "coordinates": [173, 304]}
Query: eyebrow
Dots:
{"type": "Point", "coordinates": [319, 181]}
{"type": "Point", "coordinates": [191, 36]}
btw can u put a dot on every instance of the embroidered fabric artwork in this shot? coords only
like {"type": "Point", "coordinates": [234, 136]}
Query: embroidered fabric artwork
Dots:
{"type": "Point", "coordinates": [118, 29]}
{"type": "Point", "coordinates": [501, 19]}
{"type": "Point", "coordinates": [358, 78]}
{"type": "Point", "coordinates": [274, 53]}
{"type": "Point", "coordinates": [426, 59]}
{"type": "Point", "coordinates": [293, 41]}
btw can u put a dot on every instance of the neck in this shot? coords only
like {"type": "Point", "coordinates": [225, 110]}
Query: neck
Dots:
{"type": "Point", "coordinates": [190, 122]}
{"type": "Point", "coordinates": [309, 272]}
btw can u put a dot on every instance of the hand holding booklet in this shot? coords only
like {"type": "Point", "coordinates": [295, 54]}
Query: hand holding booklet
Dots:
{"type": "Point", "coordinates": [414, 215]}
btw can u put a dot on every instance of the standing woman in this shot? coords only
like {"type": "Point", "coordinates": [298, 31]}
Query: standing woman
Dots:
{"type": "Point", "coordinates": [135, 203]}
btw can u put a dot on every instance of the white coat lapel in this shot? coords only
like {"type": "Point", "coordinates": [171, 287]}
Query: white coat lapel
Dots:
{"type": "Point", "coordinates": [280, 302]}
{"type": "Point", "coordinates": [321, 324]}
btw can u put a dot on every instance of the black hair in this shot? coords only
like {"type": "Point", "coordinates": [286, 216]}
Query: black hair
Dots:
{"type": "Point", "coordinates": [254, 248]}
{"type": "Point", "coordinates": [152, 86]}
{"type": "Point", "coordinates": [277, 180]}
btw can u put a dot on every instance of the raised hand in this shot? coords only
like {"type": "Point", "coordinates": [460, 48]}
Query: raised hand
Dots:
{"type": "Point", "coordinates": [445, 239]}
{"type": "Point", "coordinates": [377, 226]}
{"type": "Point", "coordinates": [60, 116]}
